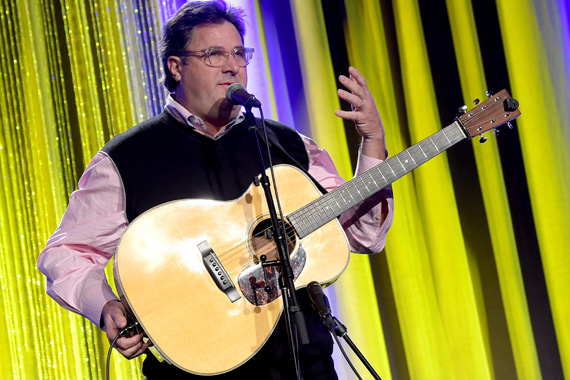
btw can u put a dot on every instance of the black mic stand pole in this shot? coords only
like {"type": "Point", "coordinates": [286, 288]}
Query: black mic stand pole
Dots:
{"type": "Point", "coordinates": [321, 304]}
{"type": "Point", "coordinates": [293, 313]}
{"type": "Point", "coordinates": [342, 331]}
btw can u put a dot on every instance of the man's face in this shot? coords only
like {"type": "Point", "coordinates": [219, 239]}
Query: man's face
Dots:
{"type": "Point", "coordinates": [202, 88]}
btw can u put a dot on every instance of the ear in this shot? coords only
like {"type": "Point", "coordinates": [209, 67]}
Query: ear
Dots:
{"type": "Point", "coordinates": [175, 66]}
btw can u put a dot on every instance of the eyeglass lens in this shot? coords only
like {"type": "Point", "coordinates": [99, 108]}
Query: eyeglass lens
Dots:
{"type": "Point", "coordinates": [219, 56]}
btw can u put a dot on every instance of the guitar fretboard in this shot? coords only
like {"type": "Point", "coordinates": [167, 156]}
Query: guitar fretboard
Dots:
{"type": "Point", "coordinates": [324, 209]}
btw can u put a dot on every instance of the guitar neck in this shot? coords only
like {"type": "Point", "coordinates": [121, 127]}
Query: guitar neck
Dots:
{"type": "Point", "coordinates": [316, 214]}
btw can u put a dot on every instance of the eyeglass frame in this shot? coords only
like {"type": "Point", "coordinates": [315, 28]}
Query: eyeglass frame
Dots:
{"type": "Point", "coordinates": [205, 54]}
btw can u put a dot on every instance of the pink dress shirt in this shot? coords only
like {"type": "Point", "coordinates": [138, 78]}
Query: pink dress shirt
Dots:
{"type": "Point", "coordinates": [75, 256]}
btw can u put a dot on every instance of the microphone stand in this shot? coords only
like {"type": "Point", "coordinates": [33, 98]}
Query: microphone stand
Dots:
{"type": "Point", "coordinates": [342, 332]}
{"type": "Point", "coordinates": [321, 304]}
{"type": "Point", "coordinates": [293, 313]}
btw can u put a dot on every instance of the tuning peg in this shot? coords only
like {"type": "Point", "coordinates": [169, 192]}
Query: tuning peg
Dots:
{"type": "Point", "coordinates": [463, 109]}
{"type": "Point", "coordinates": [509, 125]}
{"type": "Point", "coordinates": [489, 93]}
{"type": "Point", "coordinates": [476, 101]}
{"type": "Point", "coordinates": [511, 104]}
{"type": "Point", "coordinates": [482, 139]}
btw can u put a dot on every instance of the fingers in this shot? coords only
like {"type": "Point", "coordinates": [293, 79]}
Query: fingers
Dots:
{"type": "Point", "coordinates": [356, 101]}
{"type": "Point", "coordinates": [355, 83]}
{"type": "Point", "coordinates": [364, 113]}
{"type": "Point", "coordinates": [358, 77]}
{"type": "Point", "coordinates": [348, 115]}
{"type": "Point", "coordinates": [357, 94]}
{"type": "Point", "coordinates": [131, 347]}
{"type": "Point", "coordinates": [115, 319]}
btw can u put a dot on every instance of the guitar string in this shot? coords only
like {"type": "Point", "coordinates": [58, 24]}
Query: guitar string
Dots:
{"type": "Point", "coordinates": [237, 251]}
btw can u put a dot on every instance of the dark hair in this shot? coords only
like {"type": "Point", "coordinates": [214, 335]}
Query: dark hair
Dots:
{"type": "Point", "coordinates": [177, 30]}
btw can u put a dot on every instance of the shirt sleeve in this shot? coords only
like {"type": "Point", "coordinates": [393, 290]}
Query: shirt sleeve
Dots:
{"type": "Point", "coordinates": [367, 224]}
{"type": "Point", "coordinates": [76, 255]}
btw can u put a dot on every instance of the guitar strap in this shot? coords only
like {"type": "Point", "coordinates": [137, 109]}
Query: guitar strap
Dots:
{"type": "Point", "coordinates": [273, 142]}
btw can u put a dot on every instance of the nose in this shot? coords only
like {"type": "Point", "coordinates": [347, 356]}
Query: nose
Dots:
{"type": "Point", "coordinates": [231, 65]}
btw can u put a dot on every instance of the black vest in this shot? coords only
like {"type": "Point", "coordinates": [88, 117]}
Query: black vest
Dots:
{"type": "Point", "coordinates": [161, 160]}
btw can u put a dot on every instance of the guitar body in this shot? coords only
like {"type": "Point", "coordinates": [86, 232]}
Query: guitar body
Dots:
{"type": "Point", "coordinates": [163, 275]}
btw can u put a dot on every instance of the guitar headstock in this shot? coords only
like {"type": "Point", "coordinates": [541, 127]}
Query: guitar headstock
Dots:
{"type": "Point", "coordinates": [497, 110]}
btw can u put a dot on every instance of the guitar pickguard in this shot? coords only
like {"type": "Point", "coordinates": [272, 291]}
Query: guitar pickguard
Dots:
{"type": "Point", "coordinates": [252, 281]}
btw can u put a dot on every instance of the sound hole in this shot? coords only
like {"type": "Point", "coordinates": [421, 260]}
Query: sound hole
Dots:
{"type": "Point", "coordinates": [259, 285]}
{"type": "Point", "coordinates": [263, 240]}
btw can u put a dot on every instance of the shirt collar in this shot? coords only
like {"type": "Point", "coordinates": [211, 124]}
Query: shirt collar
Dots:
{"type": "Point", "coordinates": [186, 117]}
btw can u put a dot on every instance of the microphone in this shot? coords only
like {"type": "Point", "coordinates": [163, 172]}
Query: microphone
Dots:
{"type": "Point", "coordinates": [321, 304]}
{"type": "Point", "coordinates": [237, 94]}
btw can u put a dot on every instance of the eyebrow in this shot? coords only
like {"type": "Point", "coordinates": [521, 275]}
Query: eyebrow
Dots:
{"type": "Point", "coordinates": [221, 47]}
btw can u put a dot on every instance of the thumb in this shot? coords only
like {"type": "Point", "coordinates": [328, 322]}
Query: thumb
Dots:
{"type": "Point", "coordinates": [119, 319]}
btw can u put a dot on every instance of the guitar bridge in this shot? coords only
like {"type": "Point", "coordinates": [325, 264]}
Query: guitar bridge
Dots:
{"type": "Point", "coordinates": [218, 272]}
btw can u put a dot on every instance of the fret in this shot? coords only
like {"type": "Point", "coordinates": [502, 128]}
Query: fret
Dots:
{"type": "Point", "coordinates": [403, 167]}
{"type": "Point", "coordinates": [432, 143]}
{"type": "Point", "coordinates": [448, 140]}
{"type": "Point", "coordinates": [366, 186]}
{"type": "Point", "coordinates": [380, 171]}
{"type": "Point", "coordinates": [341, 194]}
{"type": "Point", "coordinates": [353, 200]}
{"type": "Point", "coordinates": [335, 202]}
{"type": "Point", "coordinates": [412, 157]}
{"type": "Point", "coordinates": [425, 155]}
{"type": "Point", "coordinates": [332, 202]}
{"type": "Point", "coordinates": [373, 180]}
{"type": "Point", "coordinates": [323, 216]}
{"type": "Point", "coordinates": [390, 167]}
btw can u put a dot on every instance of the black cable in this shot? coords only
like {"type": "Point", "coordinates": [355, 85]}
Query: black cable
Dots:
{"type": "Point", "coordinates": [121, 333]}
{"type": "Point", "coordinates": [338, 343]}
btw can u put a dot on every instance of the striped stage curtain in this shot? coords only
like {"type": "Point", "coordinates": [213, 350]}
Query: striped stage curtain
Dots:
{"type": "Point", "coordinates": [472, 282]}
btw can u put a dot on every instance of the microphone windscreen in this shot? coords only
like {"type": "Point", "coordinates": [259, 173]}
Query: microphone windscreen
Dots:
{"type": "Point", "coordinates": [230, 91]}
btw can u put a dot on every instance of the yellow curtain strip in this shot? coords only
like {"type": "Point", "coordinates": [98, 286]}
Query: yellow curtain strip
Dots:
{"type": "Point", "coordinates": [319, 82]}
{"type": "Point", "coordinates": [543, 132]}
{"type": "Point", "coordinates": [328, 131]}
{"type": "Point", "coordinates": [424, 341]}
{"type": "Point", "coordinates": [438, 211]}
{"type": "Point", "coordinates": [494, 193]}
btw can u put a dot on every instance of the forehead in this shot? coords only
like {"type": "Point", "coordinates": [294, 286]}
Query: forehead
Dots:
{"type": "Point", "coordinates": [206, 35]}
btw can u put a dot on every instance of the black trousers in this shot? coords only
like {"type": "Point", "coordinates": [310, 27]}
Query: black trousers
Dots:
{"type": "Point", "coordinates": [273, 361]}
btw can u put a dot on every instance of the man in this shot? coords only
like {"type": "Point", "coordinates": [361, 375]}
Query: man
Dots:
{"type": "Point", "coordinates": [198, 148]}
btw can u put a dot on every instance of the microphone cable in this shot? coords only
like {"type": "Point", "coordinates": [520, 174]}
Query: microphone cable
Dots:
{"type": "Point", "coordinates": [341, 348]}
{"type": "Point", "coordinates": [132, 327]}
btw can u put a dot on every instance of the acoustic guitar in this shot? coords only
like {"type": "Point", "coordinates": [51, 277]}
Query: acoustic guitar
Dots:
{"type": "Point", "coordinates": [191, 270]}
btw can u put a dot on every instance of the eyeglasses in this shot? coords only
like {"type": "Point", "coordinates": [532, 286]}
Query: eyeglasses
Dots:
{"type": "Point", "coordinates": [218, 56]}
